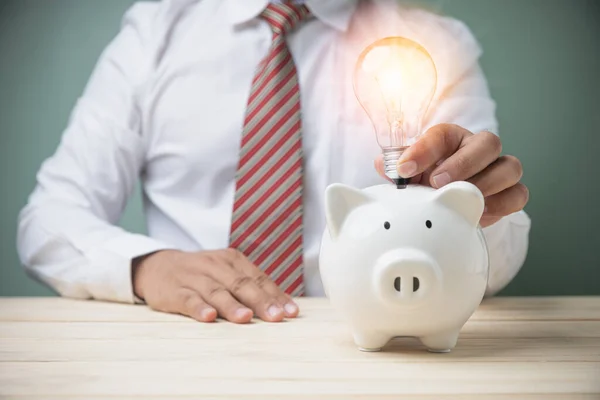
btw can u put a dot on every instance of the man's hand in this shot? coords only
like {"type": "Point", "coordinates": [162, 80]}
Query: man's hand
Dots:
{"type": "Point", "coordinates": [208, 284]}
{"type": "Point", "coordinates": [448, 153]}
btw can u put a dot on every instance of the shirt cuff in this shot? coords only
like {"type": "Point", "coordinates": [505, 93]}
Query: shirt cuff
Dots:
{"type": "Point", "coordinates": [111, 266]}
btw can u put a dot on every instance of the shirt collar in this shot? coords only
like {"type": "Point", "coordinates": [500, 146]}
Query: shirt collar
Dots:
{"type": "Point", "coordinates": [335, 13]}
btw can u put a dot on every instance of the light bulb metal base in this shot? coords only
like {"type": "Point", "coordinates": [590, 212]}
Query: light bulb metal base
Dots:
{"type": "Point", "coordinates": [390, 164]}
{"type": "Point", "coordinates": [401, 183]}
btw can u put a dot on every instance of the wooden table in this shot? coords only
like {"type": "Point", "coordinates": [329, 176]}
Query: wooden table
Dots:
{"type": "Point", "coordinates": [512, 348]}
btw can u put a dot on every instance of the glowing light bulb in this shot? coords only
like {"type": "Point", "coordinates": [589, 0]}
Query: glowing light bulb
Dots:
{"type": "Point", "coordinates": [394, 81]}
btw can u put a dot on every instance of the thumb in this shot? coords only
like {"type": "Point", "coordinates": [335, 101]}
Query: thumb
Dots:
{"type": "Point", "coordinates": [381, 171]}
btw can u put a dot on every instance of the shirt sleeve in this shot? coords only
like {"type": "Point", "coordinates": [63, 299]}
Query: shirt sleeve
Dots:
{"type": "Point", "coordinates": [464, 99]}
{"type": "Point", "coordinates": [67, 234]}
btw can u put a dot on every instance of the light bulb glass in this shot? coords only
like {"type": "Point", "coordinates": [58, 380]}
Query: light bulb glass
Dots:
{"type": "Point", "coordinates": [394, 81]}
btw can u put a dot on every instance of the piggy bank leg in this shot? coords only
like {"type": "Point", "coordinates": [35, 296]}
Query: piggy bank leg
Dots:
{"type": "Point", "coordinates": [370, 341]}
{"type": "Point", "coordinates": [440, 342]}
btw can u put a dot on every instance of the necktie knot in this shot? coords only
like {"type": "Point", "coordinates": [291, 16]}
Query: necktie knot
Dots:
{"type": "Point", "coordinates": [285, 17]}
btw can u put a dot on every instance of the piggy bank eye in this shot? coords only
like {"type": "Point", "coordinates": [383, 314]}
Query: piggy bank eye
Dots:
{"type": "Point", "coordinates": [428, 224]}
{"type": "Point", "coordinates": [386, 225]}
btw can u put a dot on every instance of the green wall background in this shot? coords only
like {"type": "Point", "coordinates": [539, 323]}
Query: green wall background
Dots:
{"type": "Point", "coordinates": [542, 58]}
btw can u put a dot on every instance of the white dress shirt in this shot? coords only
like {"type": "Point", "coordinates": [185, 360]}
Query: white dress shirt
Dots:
{"type": "Point", "coordinates": [165, 105]}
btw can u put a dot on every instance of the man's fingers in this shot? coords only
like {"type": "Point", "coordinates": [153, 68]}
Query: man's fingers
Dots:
{"type": "Point", "coordinates": [379, 167]}
{"type": "Point", "coordinates": [221, 300]}
{"type": "Point", "coordinates": [503, 173]}
{"type": "Point", "coordinates": [487, 221]}
{"type": "Point", "coordinates": [239, 280]}
{"type": "Point", "coordinates": [476, 153]}
{"type": "Point", "coordinates": [439, 142]}
{"type": "Point", "coordinates": [507, 201]}
{"type": "Point", "coordinates": [190, 303]}
{"type": "Point", "coordinates": [264, 283]}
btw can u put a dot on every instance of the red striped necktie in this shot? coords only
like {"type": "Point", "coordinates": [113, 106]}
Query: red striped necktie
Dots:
{"type": "Point", "coordinates": [267, 211]}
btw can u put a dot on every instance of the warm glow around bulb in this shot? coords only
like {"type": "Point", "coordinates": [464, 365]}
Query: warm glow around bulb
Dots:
{"type": "Point", "coordinates": [395, 80]}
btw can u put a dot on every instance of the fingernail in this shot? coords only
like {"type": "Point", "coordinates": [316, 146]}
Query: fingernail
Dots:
{"type": "Point", "coordinates": [441, 179]}
{"type": "Point", "coordinates": [207, 313]}
{"type": "Point", "coordinates": [407, 169]}
{"type": "Point", "coordinates": [274, 311]}
{"type": "Point", "coordinates": [243, 312]}
{"type": "Point", "coordinates": [485, 210]}
{"type": "Point", "coordinates": [291, 309]}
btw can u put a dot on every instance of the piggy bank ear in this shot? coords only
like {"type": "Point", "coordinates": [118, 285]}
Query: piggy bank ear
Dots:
{"type": "Point", "coordinates": [340, 200]}
{"type": "Point", "coordinates": [464, 198]}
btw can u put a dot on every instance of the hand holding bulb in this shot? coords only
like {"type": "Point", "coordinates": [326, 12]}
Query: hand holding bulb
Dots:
{"type": "Point", "coordinates": [396, 89]}
{"type": "Point", "coordinates": [448, 153]}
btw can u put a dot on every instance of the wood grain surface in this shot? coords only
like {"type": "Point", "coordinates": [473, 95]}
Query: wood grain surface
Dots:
{"type": "Point", "coordinates": [511, 348]}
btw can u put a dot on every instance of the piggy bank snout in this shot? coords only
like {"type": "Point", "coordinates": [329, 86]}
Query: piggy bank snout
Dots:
{"type": "Point", "coordinates": [406, 277]}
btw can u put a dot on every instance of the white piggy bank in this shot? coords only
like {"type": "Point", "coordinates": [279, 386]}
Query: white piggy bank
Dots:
{"type": "Point", "coordinates": [404, 262]}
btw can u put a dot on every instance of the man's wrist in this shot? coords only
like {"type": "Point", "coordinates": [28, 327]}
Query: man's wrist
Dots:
{"type": "Point", "coordinates": [141, 269]}
{"type": "Point", "coordinates": [136, 266]}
